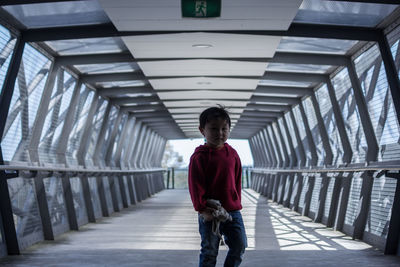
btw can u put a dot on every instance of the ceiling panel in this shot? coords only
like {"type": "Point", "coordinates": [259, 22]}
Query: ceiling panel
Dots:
{"type": "Point", "coordinates": [202, 67]}
{"type": "Point", "coordinates": [203, 83]}
{"type": "Point", "coordinates": [235, 14]}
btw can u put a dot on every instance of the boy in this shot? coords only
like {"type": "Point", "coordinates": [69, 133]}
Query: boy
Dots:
{"type": "Point", "coordinates": [215, 174]}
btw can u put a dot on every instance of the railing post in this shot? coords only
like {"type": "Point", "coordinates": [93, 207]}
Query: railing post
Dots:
{"type": "Point", "coordinates": [173, 178]}
{"type": "Point", "coordinates": [168, 177]}
{"type": "Point", "coordinates": [393, 237]}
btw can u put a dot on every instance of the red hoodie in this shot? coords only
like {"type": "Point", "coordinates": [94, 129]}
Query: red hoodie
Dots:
{"type": "Point", "coordinates": [215, 174]}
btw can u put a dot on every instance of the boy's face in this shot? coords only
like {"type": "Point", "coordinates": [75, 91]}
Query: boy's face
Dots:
{"type": "Point", "coordinates": [216, 132]}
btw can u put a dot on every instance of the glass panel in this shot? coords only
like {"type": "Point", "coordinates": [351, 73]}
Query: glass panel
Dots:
{"type": "Point", "coordinates": [58, 14]}
{"type": "Point", "coordinates": [106, 68]}
{"type": "Point", "coordinates": [87, 46]}
{"type": "Point", "coordinates": [315, 45]}
{"type": "Point", "coordinates": [343, 13]}
{"type": "Point", "coordinates": [304, 68]}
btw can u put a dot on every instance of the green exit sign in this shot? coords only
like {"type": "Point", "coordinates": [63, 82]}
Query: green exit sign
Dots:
{"type": "Point", "coordinates": [201, 8]}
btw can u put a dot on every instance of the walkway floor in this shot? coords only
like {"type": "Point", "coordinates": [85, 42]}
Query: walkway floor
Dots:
{"type": "Point", "coordinates": [162, 231]}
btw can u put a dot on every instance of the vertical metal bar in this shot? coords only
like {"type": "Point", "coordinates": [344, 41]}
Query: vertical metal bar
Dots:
{"type": "Point", "coordinates": [322, 198]}
{"type": "Point", "coordinates": [364, 204]}
{"type": "Point", "coordinates": [334, 200]}
{"type": "Point", "coordinates": [69, 203]}
{"type": "Point", "coordinates": [137, 145]}
{"type": "Point", "coordinates": [257, 152]}
{"type": "Point", "coordinates": [173, 178]}
{"type": "Point", "coordinates": [43, 207]}
{"type": "Point", "coordinates": [125, 141]}
{"type": "Point", "coordinates": [369, 133]}
{"type": "Point", "coordinates": [168, 177]}
{"type": "Point", "coordinates": [144, 147]}
{"type": "Point", "coordinates": [10, 234]}
{"type": "Point", "coordinates": [308, 196]}
{"type": "Point", "coordinates": [347, 151]}
{"type": "Point", "coordinates": [391, 72]}
{"type": "Point", "coordinates": [343, 201]}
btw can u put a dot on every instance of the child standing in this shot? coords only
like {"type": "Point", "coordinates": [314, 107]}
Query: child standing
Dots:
{"type": "Point", "coordinates": [215, 174]}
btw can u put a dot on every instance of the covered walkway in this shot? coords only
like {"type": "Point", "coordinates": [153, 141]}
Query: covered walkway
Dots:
{"type": "Point", "coordinates": [91, 91]}
{"type": "Point", "coordinates": [162, 231]}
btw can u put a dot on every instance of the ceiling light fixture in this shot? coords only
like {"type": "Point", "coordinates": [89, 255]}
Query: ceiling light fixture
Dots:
{"type": "Point", "coordinates": [202, 46]}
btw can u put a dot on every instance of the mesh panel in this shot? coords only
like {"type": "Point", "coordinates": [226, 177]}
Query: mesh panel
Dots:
{"type": "Point", "coordinates": [124, 121]}
{"type": "Point", "coordinates": [278, 144]}
{"type": "Point", "coordinates": [382, 197]}
{"type": "Point", "coordinates": [118, 191]}
{"type": "Point", "coordinates": [347, 103]}
{"type": "Point", "coordinates": [128, 196]}
{"type": "Point", "coordinates": [107, 193]}
{"type": "Point", "coordinates": [57, 111]}
{"type": "Point", "coordinates": [96, 126]}
{"type": "Point", "coordinates": [372, 75]}
{"type": "Point", "coordinates": [107, 136]}
{"type": "Point", "coordinates": [315, 194]}
{"type": "Point", "coordinates": [302, 131]}
{"type": "Point", "coordinates": [303, 191]}
{"type": "Point", "coordinates": [56, 203]}
{"type": "Point", "coordinates": [354, 199]}
{"type": "Point", "coordinates": [85, 99]}
{"type": "Point", "coordinates": [94, 194]}
{"type": "Point", "coordinates": [7, 44]}
{"type": "Point", "coordinates": [25, 211]}
{"type": "Point", "coordinates": [329, 196]}
{"type": "Point", "coordinates": [79, 202]}
{"type": "Point", "coordinates": [24, 104]}
{"type": "Point", "coordinates": [313, 123]}
{"type": "Point", "coordinates": [325, 106]}
{"type": "Point", "coordinates": [285, 138]}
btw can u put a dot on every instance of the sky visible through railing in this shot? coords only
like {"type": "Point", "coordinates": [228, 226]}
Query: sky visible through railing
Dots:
{"type": "Point", "coordinates": [186, 147]}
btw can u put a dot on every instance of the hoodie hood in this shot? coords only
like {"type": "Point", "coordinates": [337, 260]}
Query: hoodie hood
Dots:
{"type": "Point", "coordinates": [208, 149]}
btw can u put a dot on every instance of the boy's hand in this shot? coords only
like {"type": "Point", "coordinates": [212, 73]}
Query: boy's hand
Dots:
{"type": "Point", "coordinates": [207, 214]}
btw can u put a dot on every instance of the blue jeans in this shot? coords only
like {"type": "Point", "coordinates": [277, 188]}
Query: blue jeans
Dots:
{"type": "Point", "coordinates": [235, 238]}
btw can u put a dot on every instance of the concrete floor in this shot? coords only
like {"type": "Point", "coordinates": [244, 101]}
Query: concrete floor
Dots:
{"type": "Point", "coordinates": [162, 231]}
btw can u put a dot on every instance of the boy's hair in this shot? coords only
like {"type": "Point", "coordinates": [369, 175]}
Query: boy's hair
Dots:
{"type": "Point", "coordinates": [214, 113]}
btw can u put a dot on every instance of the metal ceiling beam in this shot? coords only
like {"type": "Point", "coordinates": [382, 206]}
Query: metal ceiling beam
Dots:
{"type": "Point", "coordinates": [112, 91]}
{"type": "Point", "coordinates": [134, 100]}
{"type": "Point", "coordinates": [264, 107]}
{"type": "Point", "coordinates": [274, 99]}
{"type": "Point", "coordinates": [27, 2]}
{"type": "Point", "coordinates": [265, 89]}
{"type": "Point", "coordinates": [151, 114]}
{"type": "Point", "coordinates": [295, 30]}
{"type": "Point", "coordinates": [112, 77]}
{"type": "Point", "coordinates": [309, 58]}
{"type": "Point", "coordinates": [262, 113]}
{"type": "Point", "coordinates": [95, 59]}
{"type": "Point", "coordinates": [389, 2]}
{"type": "Point", "coordinates": [143, 107]}
{"type": "Point", "coordinates": [292, 76]}
{"type": "Point", "coordinates": [279, 57]}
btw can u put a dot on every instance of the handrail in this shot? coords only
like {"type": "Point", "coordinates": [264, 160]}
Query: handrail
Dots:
{"type": "Point", "coordinates": [340, 168]}
{"type": "Point", "coordinates": [79, 170]}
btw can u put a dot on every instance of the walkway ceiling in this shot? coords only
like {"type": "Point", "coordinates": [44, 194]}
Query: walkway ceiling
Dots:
{"type": "Point", "coordinates": [258, 59]}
